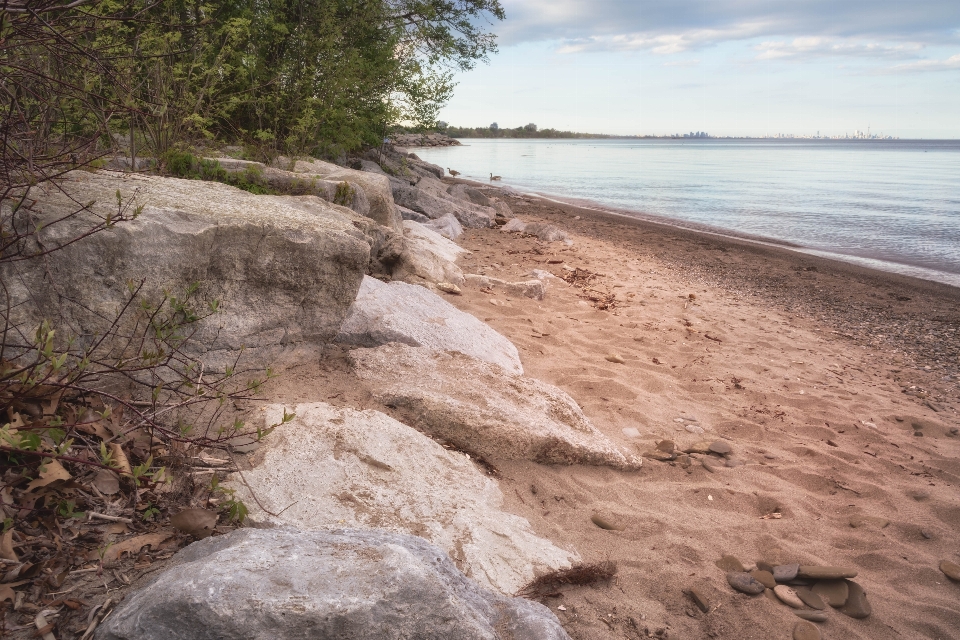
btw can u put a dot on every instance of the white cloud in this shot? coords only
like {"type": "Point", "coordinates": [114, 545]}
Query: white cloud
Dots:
{"type": "Point", "coordinates": [804, 48]}
{"type": "Point", "coordinates": [950, 64]}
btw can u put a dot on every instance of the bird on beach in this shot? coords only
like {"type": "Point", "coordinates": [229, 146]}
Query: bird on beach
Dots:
{"type": "Point", "coordinates": [493, 177]}
{"type": "Point", "coordinates": [453, 172]}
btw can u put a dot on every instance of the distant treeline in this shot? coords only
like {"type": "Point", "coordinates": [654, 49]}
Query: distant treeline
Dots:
{"type": "Point", "coordinates": [528, 131]}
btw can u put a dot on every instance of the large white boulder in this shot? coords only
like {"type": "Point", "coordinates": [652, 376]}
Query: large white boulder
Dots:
{"type": "Point", "coordinates": [411, 314]}
{"type": "Point", "coordinates": [483, 408]}
{"type": "Point", "coordinates": [284, 278]}
{"type": "Point", "coordinates": [336, 467]}
{"type": "Point", "coordinates": [259, 584]}
{"type": "Point", "coordinates": [375, 186]}
{"type": "Point", "coordinates": [428, 258]}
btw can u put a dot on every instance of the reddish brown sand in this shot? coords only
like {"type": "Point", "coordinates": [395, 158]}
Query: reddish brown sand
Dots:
{"type": "Point", "coordinates": [798, 363]}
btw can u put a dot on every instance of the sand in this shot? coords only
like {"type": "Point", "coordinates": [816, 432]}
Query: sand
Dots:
{"type": "Point", "coordinates": [816, 373]}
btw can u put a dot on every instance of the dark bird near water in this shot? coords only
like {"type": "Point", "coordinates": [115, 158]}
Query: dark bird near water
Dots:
{"type": "Point", "coordinates": [453, 172]}
{"type": "Point", "coordinates": [493, 177]}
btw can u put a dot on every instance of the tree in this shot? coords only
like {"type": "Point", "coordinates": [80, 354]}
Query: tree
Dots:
{"type": "Point", "coordinates": [530, 127]}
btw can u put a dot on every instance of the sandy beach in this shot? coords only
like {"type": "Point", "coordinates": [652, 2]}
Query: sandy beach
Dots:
{"type": "Point", "coordinates": [835, 388]}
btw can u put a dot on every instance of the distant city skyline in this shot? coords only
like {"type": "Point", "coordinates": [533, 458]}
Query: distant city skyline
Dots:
{"type": "Point", "coordinates": [730, 67]}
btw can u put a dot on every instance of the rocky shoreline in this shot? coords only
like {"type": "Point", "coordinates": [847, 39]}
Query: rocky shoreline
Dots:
{"type": "Point", "coordinates": [488, 391]}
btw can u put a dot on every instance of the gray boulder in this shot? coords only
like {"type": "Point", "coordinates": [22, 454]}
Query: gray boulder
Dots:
{"type": "Point", "coordinates": [484, 408]}
{"type": "Point", "coordinates": [373, 167]}
{"type": "Point", "coordinates": [431, 199]}
{"type": "Point", "coordinates": [284, 278]}
{"type": "Point", "coordinates": [258, 584]}
{"type": "Point", "coordinates": [427, 258]}
{"type": "Point", "coordinates": [447, 226]}
{"type": "Point", "coordinates": [410, 214]}
{"type": "Point", "coordinates": [470, 194]}
{"type": "Point", "coordinates": [376, 187]}
{"type": "Point", "coordinates": [369, 471]}
{"type": "Point", "coordinates": [413, 315]}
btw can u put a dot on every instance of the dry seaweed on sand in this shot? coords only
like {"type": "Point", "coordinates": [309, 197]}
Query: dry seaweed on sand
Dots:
{"type": "Point", "coordinates": [585, 280]}
{"type": "Point", "coordinates": [581, 575]}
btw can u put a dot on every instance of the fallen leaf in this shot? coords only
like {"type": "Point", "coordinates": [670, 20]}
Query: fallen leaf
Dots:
{"type": "Point", "coordinates": [120, 458]}
{"type": "Point", "coordinates": [133, 545]}
{"type": "Point", "coordinates": [198, 523]}
{"type": "Point", "coordinates": [106, 482]}
{"type": "Point", "coordinates": [90, 422]}
{"type": "Point", "coordinates": [51, 471]}
{"type": "Point", "coordinates": [6, 593]}
{"type": "Point", "coordinates": [116, 528]}
{"type": "Point", "coordinates": [6, 547]}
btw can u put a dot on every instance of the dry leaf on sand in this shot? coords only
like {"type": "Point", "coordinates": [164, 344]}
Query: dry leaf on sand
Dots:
{"type": "Point", "coordinates": [6, 593]}
{"type": "Point", "coordinates": [106, 482]}
{"type": "Point", "coordinates": [133, 545]}
{"type": "Point", "coordinates": [6, 546]}
{"type": "Point", "coordinates": [50, 473]}
{"type": "Point", "coordinates": [198, 523]}
{"type": "Point", "coordinates": [120, 458]}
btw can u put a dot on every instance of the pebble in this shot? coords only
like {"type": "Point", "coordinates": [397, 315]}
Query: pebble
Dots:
{"type": "Point", "coordinates": [788, 596]}
{"type": "Point", "coordinates": [730, 563]}
{"type": "Point", "coordinates": [825, 573]}
{"type": "Point", "coordinates": [745, 583]}
{"type": "Point", "coordinates": [833, 592]}
{"type": "Point", "coordinates": [861, 521]}
{"type": "Point", "coordinates": [630, 432]}
{"type": "Point", "coordinates": [709, 466]}
{"type": "Point", "coordinates": [811, 599]}
{"type": "Point", "coordinates": [805, 631]}
{"type": "Point", "coordinates": [785, 572]}
{"type": "Point", "coordinates": [657, 454]}
{"type": "Point", "coordinates": [919, 494]}
{"type": "Point", "coordinates": [812, 616]}
{"type": "Point", "coordinates": [613, 357]}
{"type": "Point", "coordinates": [764, 577]}
{"type": "Point", "coordinates": [950, 569]}
{"type": "Point", "coordinates": [700, 599]}
{"type": "Point", "coordinates": [954, 432]}
{"type": "Point", "coordinates": [666, 446]}
{"type": "Point", "coordinates": [683, 460]}
{"type": "Point", "coordinates": [764, 566]}
{"type": "Point", "coordinates": [606, 523]}
{"type": "Point", "coordinates": [700, 447]}
{"type": "Point", "coordinates": [721, 447]}
{"type": "Point", "coordinates": [734, 462]}
{"type": "Point", "coordinates": [692, 428]}
{"type": "Point", "coordinates": [926, 533]}
{"type": "Point", "coordinates": [918, 434]}
{"type": "Point", "coordinates": [857, 605]}
{"type": "Point", "coordinates": [449, 287]}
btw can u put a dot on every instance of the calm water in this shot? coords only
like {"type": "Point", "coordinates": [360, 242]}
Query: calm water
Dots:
{"type": "Point", "coordinates": [892, 205]}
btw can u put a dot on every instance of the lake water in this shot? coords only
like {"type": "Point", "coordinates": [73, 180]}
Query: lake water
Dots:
{"type": "Point", "coordinates": [888, 204]}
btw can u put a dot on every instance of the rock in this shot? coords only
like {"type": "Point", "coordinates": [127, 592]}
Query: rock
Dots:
{"type": "Point", "coordinates": [810, 598]}
{"type": "Point", "coordinates": [447, 226]}
{"type": "Point", "coordinates": [427, 257]}
{"type": "Point", "coordinates": [722, 447]}
{"type": "Point", "coordinates": [812, 616]}
{"type": "Point", "coordinates": [709, 465]}
{"type": "Point", "coordinates": [668, 446]}
{"type": "Point", "coordinates": [471, 194]}
{"type": "Point", "coordinates": [198, 523]}
{"type": "Point", "coordinates": [410, 214]}
{"type": "Point", "coordinates": [683, 460]}
{"type": "Point", "coordinates": [805, 630]}
{"type": "Point", "coordinates": [413, 315]}
{"type": "Point", "coordinates": [545, 232]}
{"type": "Point", "coordinates": [661, 456]}
{"type": "Point", "coordinates": [607, 523]}
{"type": "Point", "coordinates": [764, 577]}
{"type": "Point", "coordinates": [515, 225]}
{"type": "Point", "coordinates": [700, 447]}
{"type": "Point", "coordinates": [376, 188]}
{"type": "Point", "coordinates": [449, 287]}
{"type": "Point", "coordinates": [919, 494]}
{"type": "Point", "coordinates": [502, 208]}
{"type": "Point", "coordinates": [729, 563]}
{"type": "Point", "coordinates": [700, 599]}
{"type": "Point", "coordinates": [534, 289]}
{"type": "Point", "coordinates": [950, 569]}
{"type": "Point", "coordinates": [431, 199]}
{"type": "Point", "coordinates": [485, 408]}
{"type": "Point", "coordinates": [856, 605]}
{"type": "Point", "coordinates": [785, 572]}
{"type": "Point", "coordinates": [862, 521]}
{"type": "Point", "coordinates": [926, 533]}
{"type": "Point", "coordinates": [744, 583]}
{"type": "Point", "coordinates": [615, 358]}
{"type": "Point", "coordinates": [788, 596]}
{"type": "Point", "coordinates": [765, 566]}
{"type": "Point", "coordinates": [631, 432]}
{"type": "Point", "coordinates": [833, 592]}
{"type": "Point", "coordinates": [733, 463]}
{"type": "Point", "coordinates": [372, 167]}
{"type": "Point", "coordinates": [825, 573]}
{"type": "Point", "coordinates": [349, 585]}
{"type": "Point", "coordinates": [694, 429]}
{"type": "Point", "coordinates": [284, 278]}
{"type": "Point", "coordinates": [377, 473]}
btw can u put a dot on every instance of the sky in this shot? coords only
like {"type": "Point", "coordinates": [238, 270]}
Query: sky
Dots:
{"type": "Point", "coordinates": [725, 67]}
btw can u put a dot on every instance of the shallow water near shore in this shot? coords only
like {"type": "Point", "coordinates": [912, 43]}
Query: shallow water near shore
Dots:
{"type": "Point", "coordinates": [892, 205]}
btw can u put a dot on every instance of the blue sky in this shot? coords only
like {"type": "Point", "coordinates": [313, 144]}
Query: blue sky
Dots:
{"type": "Point", "coordinates": [728, 67]}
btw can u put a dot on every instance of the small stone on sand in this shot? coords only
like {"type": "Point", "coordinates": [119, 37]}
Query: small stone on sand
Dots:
{"type": "Point", "coordinates": [811, 599]}
{"type": "Point", "coordinates": [744, 583]}
{"type": "Point", "coordinates": [721, 447]}
{"type": "Point", "coordinates": [616, 358]}
{"type": "Point", "coordinates": [785, 572]}
{"type": "Point", "coordinates": [709, 466]}
{"type": "Point", "coordinates": [804, 630]}
{"type": "Point", "coordinates": [857, 605]}
{"type": "Point", "coordinates": [449, 287]}
{"type": "Point", "coordinates": [812, 616]}
{"type": "Point", "coordinates": [825, 573]}
{"type": "Point", "coordinates": [764, 577]}
{"type": "Point", "coordinates": [606, 523]}
{"type": "Point", "coordinates": [765, 566]}
{"type": "Point", "coordinates": [858, 522]}
{"type": "Point", "coordinates": [833, 592]}
{"type": "Point", "coordinates": [788, 596]}
{"type": "Point", "coordinates": [666, 446]}
{"type": "Point", "coordinates": [730, 563]}
{"type": "Point", "coordinates": [630, 432]}
{"type": "Point", "coordinates": [950, 569]}
{"type": "Point", "coordinates": [700, 599]}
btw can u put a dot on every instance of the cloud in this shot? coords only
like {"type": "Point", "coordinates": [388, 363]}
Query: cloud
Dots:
{"type": "Point", "coordinates": [950, 64]}
{"type": "Point", "coordinates": [672, 26]}
{"type": "Point", "coordinates": [808, 47]}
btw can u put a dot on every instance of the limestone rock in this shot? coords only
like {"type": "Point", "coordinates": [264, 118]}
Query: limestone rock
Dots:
{"type": "Point", "coordinates": [430, 198]}
{"type": "Point", "coordinates": [484, 408]}
{"type": "Point", "coordinates": [410, 214]}
{"type": "Point", "coordinates": [284, 278]}
{"type": "Point", "coordinates": [447, 226]}
{"type": "Point", "coordinates": [534, 289]}
{"type": "Point", "coordinates": [365, 470]}
{"type": "Point", "coordinates": [253, 584]}
{"type": "Point", "coordinates": [413, 315]}
{"type": "Point", "coordinates": [428, 257]}
{"type": "Point", "coordinates": [376, 188]}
